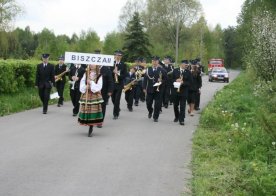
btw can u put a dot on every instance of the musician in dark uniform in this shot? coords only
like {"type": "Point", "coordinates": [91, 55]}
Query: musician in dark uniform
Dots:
{"type": "Point", "coordinates": [144, 65]}
{"type": "Point", "coordinates": [45, 80]}
{"type": "Point", "coordinates": [108, 85]}
{"type": "Point", "coordinates": [138, 90]}
{"type": "Point", "coordinates": [201, 72]}
{"type": "Point", "coordinates": [75, 75]}
{"type": "Point", "coordinates": [119, 72]}
{"type": "Point", "coordinates": [167, 96]}
{"type": "Point", "coordinates": [129, 93]}
{"type": "Point", "coordinates": [182, 76]}
{"type": "Point", "coordinates": [60, 68]}
{"type": "Point", "coordinates": [154, 75]}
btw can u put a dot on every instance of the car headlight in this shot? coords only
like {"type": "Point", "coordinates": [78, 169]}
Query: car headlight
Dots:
{"type": "Point", "coordinates": [226, 75]}
{"type": "Point", "coordinates": [215, 75]}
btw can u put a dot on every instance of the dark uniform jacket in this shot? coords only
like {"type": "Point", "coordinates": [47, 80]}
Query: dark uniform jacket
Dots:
{"type": "Point", "coordinates": [59, 70]}
{"type": "Point", "coordinates": [76, 72]}
{"type": "Point", "coordinates": [196, 83]}
{"type": "Point", "coordinates": [129, 78]}
{"type": "Point", "coordinates": [45, 77]}
{"type": "Point", "coordinates": [151, 77]}
{"type": "Point", "coordinates": [122, 68]}
{"type": "Point", "coordinates": [108, 84]}
{"type": "Point", "coordinates": [187, 78]}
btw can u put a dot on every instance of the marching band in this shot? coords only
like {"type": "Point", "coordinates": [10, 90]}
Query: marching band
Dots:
{"type": "Point", "coordinates": [161, 84]}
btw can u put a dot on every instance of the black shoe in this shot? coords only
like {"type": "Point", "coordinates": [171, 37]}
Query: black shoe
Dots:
{"type": "Point", "coordinates": [171, 103]}
{"type": "Point", "coordinates": [166, 106]}
{"type": "Point", "coordinates": [136, 104]}
{"type": "Point", "coordinates": [115, 117]}
{"type": "Point", "coordinates": [149, 115]}
{"type": "Point", "coordinates": [175, 120]}
{"type": "Point", "coordinates": [181, 123]}
{"type": "Point", "coordinates": [155, 120]}
{"type": "Point", "coordinates": [58, 105]}
{"type": "Point", "coordinates": [90, 131]}
{"type": "Point", "coordinates": [197, 108]}
{"type": "Point", "coordinates": [44, 112]}
{"type": "Point", "coordinates": [75, 114]}
{"type": "Point", "coordinates": [130, 109]}
{"type": "Point", "coordinates": [99, 126]}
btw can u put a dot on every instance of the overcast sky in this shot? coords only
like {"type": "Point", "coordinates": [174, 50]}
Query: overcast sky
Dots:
{"type": "Point", "coordinates": [65, 17]}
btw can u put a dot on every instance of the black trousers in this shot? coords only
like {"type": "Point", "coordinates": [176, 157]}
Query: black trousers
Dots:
{"type": "Point", "coordinates": [75, 98]}
{"type": "Point", "coordinates": [138, 90]}
{"type": "Point", "coordinates": [179, 112]}
{"type": "Point", "coordinates": [105, 98]}
{"type": "Point", "coordinates": [44, 94]}
{"type": "Point", "coordinates": [156, 97]}
{"type": "Point", "coordinates": [129, 98]}
{"type": "Point", "coordinates": [197, 99]}
{"type": "Point", "coordinates": [60, 90]}
{"type": "Point", "coordinates": [116, 99]}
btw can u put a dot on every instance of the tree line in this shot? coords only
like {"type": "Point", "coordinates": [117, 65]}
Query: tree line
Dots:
{"type": "Point", "coordinates": [145, 28]}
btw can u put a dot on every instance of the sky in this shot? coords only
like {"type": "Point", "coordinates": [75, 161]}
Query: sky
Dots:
{"type": "Point", "coordinates": [102, 16]}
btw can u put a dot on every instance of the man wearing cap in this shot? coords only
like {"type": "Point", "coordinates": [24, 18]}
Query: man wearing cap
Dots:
{"type": "Point", "coordinates": [183, 77]}
{"type": "Point", "coordinates": [201, 72]}
{"type": "Point", "coordinates": [107, 87]}
{"type": "Point", "coordinates": [167, 97]}
{"type": "Point", "coordinates": [45, 79]}
{"type": "Point", "coordinates": [152, 86]}
{"type": "Point", "coordinates": [139, 75]}
{"type": "Point", "coordinates": [60, 68]}
{"type": "Point", "coordinates": [75, 75]}
{"type": "Point", "coordinates": [119, 72]}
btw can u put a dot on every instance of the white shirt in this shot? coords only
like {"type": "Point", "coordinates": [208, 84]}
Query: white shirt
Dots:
{"type": "Point", "coordinates": [94, 87]}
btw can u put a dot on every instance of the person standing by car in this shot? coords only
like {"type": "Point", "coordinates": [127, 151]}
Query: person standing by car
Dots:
{"type": "Point", "coordinates": [45, 80]}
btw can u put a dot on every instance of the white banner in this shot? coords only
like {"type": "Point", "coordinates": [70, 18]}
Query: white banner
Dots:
{"type": "Point", "coordinates": [86, 58]}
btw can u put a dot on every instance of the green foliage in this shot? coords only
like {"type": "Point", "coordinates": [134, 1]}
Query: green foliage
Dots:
{"type": "Point", "coordinates": [234, 149]}
{"type": "Point", "coordinates": [112, 42]}
{"type": "Point", "coordinates": [136, 40]}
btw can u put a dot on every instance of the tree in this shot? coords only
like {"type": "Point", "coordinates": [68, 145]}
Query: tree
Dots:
{"type": "Point", "coordinates": [9, 9]}
{"type": "Point", "coordinates": [112, 42]}
{"type": "Point", "coordinates": [136, 40]}
{"type": "Point", "coordinates": [128, 11]}
{"type": "Point", "coordinates": [88, 41]}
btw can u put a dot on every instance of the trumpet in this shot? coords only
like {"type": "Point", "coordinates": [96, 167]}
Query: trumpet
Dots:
{"type": "Point", "coordinates": [74, 81]}
{"type": "Point", "coordinates": [159, 80]}
{"type": "Point", "coordinates": [181, 78]}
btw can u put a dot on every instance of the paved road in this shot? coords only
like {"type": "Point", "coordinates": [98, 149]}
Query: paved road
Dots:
{"type": "Point", "coordinates": [51, 155]}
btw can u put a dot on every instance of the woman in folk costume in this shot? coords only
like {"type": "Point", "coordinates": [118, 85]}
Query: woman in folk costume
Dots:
{"type": "Point", "coordinates": [90, 86]}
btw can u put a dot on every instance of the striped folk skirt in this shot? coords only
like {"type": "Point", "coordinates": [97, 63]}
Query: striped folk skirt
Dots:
{"type": "Point", "coordinates": [90, 109]}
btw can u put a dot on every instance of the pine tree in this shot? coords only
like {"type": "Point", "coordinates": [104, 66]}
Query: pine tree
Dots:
{"type": "Point", "coordinates": [136, 41]}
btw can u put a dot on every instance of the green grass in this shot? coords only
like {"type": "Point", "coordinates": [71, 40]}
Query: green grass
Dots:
{"type": "Point", "coordinates": [25, 100]}
{"type": "Point", "coordinates": [233, 149]}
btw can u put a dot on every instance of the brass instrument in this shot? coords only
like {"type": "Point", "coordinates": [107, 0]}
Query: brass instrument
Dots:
{"type": "Point", "coordinates": [130, 85]}
{"type": "Point", "coordinates": [59, 76]}
{"type": "Point", "coordinates": [181, 78]}
{"type": "Point", "coordinates": [159, 80]}
{"type": "Point", "coordinates": [74, 81]}
{"type": "Point", "coordinates": [139, 73]}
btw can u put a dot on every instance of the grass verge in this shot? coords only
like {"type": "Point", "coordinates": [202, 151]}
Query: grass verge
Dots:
{"type": "Point", "coordinates": [234, 150]}
{"type": "Point", "coordinates": [24, 100]}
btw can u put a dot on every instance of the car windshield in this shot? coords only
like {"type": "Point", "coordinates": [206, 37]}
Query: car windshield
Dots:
{"type": "Point", "coordinates": [219, 71]}
{"type": "Point", "coordinates": [215, 62]}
